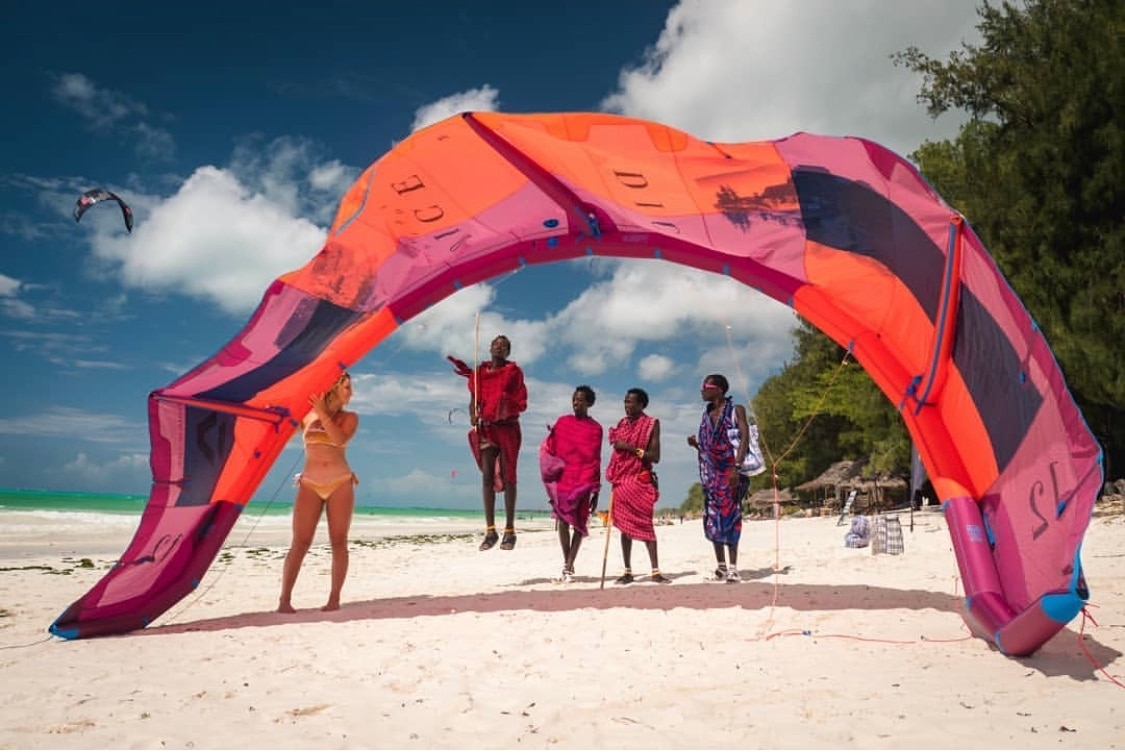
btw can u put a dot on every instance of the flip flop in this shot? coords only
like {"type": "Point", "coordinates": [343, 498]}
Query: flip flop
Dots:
{"type": "Point", "coordinates": [490, 539]}
{"type": "Point", "coordinates": [509, 540]}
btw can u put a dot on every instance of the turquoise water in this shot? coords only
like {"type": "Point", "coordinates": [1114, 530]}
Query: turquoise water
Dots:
{"type": "Point", "coordinates": [101, 503]}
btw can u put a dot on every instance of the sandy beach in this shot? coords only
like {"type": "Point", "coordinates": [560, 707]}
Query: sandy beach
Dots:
{"type": "Point", "coordinates": [441, 646]}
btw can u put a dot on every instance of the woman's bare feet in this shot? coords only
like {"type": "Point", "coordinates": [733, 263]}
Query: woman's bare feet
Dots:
{"type": "Point", "coordinates": [286, 607]}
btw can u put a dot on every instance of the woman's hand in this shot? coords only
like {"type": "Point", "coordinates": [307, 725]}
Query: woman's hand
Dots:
{"type": "Point", "coordinates": [691, 441]}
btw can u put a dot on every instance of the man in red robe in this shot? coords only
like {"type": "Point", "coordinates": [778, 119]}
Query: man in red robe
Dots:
{"type": "Point", "coordinates": [497, 396]}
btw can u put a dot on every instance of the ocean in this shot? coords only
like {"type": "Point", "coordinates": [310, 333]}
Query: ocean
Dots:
{"type": "Point", "coordinates": [96, 505]}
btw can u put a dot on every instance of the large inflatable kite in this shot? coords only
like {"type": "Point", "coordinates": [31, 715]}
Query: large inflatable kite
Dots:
{"type": "Point", "coordinates": [842, 230]}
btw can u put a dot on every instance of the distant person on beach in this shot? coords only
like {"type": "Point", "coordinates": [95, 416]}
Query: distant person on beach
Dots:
{"type": "Point", "coordinates": [497, 397]}
{"type": "Point", "coordinates": [326, 484]}
{"type": "Point", "coordinates": [722, 443]}
{"type": "Point", "coordinates": [570, 460]}
{"type": "Point", "coordinates": [636, 448]}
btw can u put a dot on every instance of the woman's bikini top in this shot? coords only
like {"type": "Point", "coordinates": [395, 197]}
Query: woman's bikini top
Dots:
{"type": "Point", "coordinates": [316, 435]}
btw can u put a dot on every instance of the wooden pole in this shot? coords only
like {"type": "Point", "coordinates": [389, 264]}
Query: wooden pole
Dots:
{"type": "Point", "coordinates": [476, 372]}
{"type": "Point", "coordinates": [608, 532]}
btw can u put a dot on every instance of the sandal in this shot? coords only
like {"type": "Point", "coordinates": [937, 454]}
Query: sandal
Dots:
{"type": "Point", "coordinates": [659, 578]}
{"type": "Point", "coordinates": [490, 538]}
{"type": "Point", "coordinates": [625, 579]}
{"type": "Point", "coordinates": [509, 540]}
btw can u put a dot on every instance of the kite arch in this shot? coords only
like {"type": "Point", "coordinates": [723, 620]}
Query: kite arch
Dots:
{"type": "Point", "coordinates": [842, 230]}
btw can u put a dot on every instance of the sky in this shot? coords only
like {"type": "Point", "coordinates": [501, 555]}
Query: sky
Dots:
{"type": "Point", "coordinates": [233, 129]}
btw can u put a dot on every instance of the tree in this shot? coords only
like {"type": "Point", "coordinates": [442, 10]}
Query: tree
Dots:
{"type": "Point", "coordinates": [1039, 172]}
{"type": "Point", "coordinates": [822, 408]}
{"type": "Point", "coordinates": [694, 502]}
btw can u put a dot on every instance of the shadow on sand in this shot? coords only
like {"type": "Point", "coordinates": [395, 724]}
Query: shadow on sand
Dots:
{"type": "Point", "coordinates": [1061, 656]}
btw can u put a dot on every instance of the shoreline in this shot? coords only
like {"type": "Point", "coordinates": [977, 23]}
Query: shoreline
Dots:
{"type": "Point", "coordinates": [29, 533]}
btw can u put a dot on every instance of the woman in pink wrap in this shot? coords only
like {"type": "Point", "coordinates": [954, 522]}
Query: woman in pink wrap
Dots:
{"type": "Point", "coordinates": [570, 461]}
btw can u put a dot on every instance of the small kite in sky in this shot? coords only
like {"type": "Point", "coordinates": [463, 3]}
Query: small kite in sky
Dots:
{"type": "Point", "coordinates": [93, 196]}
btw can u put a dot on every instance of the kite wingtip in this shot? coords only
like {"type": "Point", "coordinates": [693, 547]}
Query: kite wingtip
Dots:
{"type": "Point", "coordinates": [66, 634]}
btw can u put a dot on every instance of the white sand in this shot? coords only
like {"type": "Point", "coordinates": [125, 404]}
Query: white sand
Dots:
{"type": "Point", "coordinates": [440, 646]}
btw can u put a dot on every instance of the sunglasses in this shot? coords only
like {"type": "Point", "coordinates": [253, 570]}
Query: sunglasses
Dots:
{"type": "Point", "coordinates": [711, 385]}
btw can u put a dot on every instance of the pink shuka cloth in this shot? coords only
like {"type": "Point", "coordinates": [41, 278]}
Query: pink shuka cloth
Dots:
{"type": "Point", "coordinates": [570, 462]}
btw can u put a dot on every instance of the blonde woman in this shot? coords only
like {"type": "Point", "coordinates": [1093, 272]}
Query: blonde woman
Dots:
{"type": "Point", "coordinates": [326, 484]}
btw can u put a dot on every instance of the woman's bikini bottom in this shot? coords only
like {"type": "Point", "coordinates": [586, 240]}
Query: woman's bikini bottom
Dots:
{"type": "Point", "coordinates": [324, 490]}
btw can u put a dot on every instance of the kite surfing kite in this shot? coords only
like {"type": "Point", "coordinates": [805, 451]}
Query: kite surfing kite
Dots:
{"type": "Point", "coordinates": [90, 198]}
{"type": "Point", "coordinates": [842, 230]}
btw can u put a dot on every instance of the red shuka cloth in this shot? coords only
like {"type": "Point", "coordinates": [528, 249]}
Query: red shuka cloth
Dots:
{"type": "Point", "coordinates": [634, 495]}
{"type": "Point", "coordinates": [500, 396]}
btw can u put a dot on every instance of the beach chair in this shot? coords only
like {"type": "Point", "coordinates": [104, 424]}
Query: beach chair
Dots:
{"type": "Point", "coordinates": [847, 506]}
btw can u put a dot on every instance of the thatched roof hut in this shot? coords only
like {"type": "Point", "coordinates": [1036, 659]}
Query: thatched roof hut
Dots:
{"type": "Point", "coordinates": [845, 476]}
{"type": "Point", "coordinates": [764, 498]}
{"type": "Point", "coordinates": [839, 475]}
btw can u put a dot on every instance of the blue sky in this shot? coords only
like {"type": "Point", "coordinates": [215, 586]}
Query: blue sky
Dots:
{"type": "Point", "coordinates": [233, 128]}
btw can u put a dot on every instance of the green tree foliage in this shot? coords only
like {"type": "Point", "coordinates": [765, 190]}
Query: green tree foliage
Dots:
{"type": "Point", "coordinates": [693, 504]}
{"type": "Point", "coordinates": [822, 408]}
{"type": "Point", "coordinates": [1039, 172]}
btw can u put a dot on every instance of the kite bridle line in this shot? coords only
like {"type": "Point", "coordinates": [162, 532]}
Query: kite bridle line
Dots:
{"type": "Point", "coordinates": [745, 386]}
{"type": "Point", "coordinates": [185, 605]}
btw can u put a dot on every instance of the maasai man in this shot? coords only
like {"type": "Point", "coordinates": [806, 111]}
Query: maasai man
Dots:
{"type": "Point", "coordinates": [571, 465]}
{"type": "Point", "coordinates": [723, 442]}
{"type": "Point", "coordinates": [636, 447]}
{"type": "Point", "coordinates": [497, 396]}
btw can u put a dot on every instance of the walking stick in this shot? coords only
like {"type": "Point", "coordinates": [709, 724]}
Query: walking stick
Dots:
{"type": "Point", "coordinates": [608, 532]}
{"type": "Point", "coordinates": [476, 372]}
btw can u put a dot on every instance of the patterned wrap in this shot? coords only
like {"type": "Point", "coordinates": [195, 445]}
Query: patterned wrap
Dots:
{"type": "Point", "coordinates": [634, 494]}
{"type": "Point", "coordinates": [722, 500]}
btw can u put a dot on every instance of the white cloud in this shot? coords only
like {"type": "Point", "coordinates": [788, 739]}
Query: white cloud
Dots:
{"type": "Point", "coordinates": [450, 326]}
{"type": "Point", "coordinates": [655, 367]}
{"type": "Point", "coordinates": [655, 302]}
{"type": "Point", "coordinates": [215, 238]}
{"type": "Point", "coordinates": [92, 475]}
{"type": "Point", "coordinates": [154, 143]}
{"type": "Point", "coordinates": [415, 482]}
{"type": "Point", "coordinates": [67, 422]}
{"type": "Point", "coordinates": [485, 98]}
{"type": "Point", "coordinates": [747, 70]}
{"type": "Point", "coordinates": [100, 107]}
{"type": "Point", "coordinates": [227, 233]}
{"type": "Point", "coordinates": [11, 305]}
{"type": "Point", "coordinates": [8, 286]}
{"type": "Point", "coordinates": [105, 109]}
{"type": "Point", "coordinates": [16, 309]}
